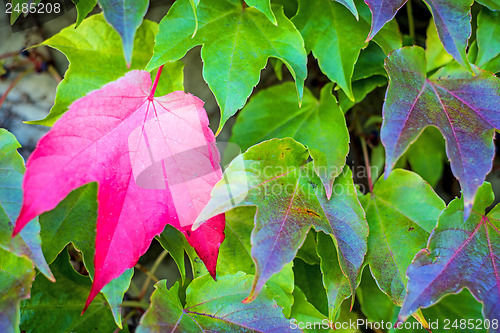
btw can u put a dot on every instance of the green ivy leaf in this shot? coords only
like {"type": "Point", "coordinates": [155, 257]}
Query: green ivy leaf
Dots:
{"type": "Point", "coordinates": [57, 307]}
{"type": "Point", "coordinates": [265, 7]}
{"type": "Point", "coordinates": [488, 37]}
{"type": "Point", "coordinates": [291, 199]}
{"type": "Point", "coordinates": [309, 279]}
{"type": "Point", "coordinates": [304, 312]}
{"type": "Point", "coordinates": [401, 213]}
{"type": "Point", "coordinates": [361, 89]}
{"type": "Point", "coordinates": [28, 242]}
{"type": "Point", "coordinates": [125, 16]}
{"type": "Point", "coordinates": [336, 284]}
{"type": "Point", "coordinates": [232, 62]}
{"type": "Point", "coordinates": [16, 277]}
{"type": "Point", "coordinates": [74, 220]}
{"type": "Point", "coordinates": [106, 57]}
{"type": "Point", "coordinates": [307, 251]}
{"type": "Point", "coordinates": [320, 125]}
{"type": "Point", "coordinates": [351, 6]}
{"type": "Point", "coordinates": [325, 26]}
{"type": "Point", "coordinates": [15, 13]}
{"type": "Point", "coordinates": [83, 8]}
{"type": "Point", "coordinates": [213, 306]}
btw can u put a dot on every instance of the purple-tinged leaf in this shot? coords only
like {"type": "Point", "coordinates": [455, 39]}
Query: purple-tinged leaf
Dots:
{"type": "Point", "coordinates": [275, 177]}
{"type": "Point", "coordinates": [452, 20]}
{"type": "Point", "coordinates": [382, 12]}
{"type": "Point", "coordinates": [213, 306]}
{"type": "Point", "coordinates": [463, 107]}
{"type": "Point", "coordinates": [459, 255]}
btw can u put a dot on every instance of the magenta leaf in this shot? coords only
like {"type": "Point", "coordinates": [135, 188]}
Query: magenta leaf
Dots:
{"type": "Point", "coordinates": [463, 107]}
{"type": "Point", "coordinates": [459, 255]}
{"type": "Point", "coordinates": [154, 160]}
{"type": "Point", "coordinates": [452, 18]}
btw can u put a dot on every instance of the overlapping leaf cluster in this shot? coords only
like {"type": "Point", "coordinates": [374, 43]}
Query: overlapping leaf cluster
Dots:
{"type": "Point", "coordinates": [299, 236]}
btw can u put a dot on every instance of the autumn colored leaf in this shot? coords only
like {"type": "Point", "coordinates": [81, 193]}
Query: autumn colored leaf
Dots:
{"type": "Point", "coordinates": [57, 307]}
{"type": "Point", "coordinates": [213, 306]}
{"type": "Point", "coordinates": [125, 16]}
{"type": "Point", "coordinates": [16, 277]}
{"type": "Point", "coordinates": [233, 62]}
{"type": "Point", "coordinates": [377, 307]}
{"type": "Point", "coordinates": [452, 19]}
{"type": "Point", "coordinates": [318, 124]}
{"type": "Point", "coordinates": [290, 199]}
{"type": "Point", "coordinates": [28, 242]}
{"type": "Point", "coordinates": [399, 227]}
{"type": "Point", "coordinates": [130, 143]}
{"type": "Point", "coordinates": [460, 254]}
{"type": "Point", "coordinates": [463, 107]}
{"type": "Point", "coordinates": [106, 57]}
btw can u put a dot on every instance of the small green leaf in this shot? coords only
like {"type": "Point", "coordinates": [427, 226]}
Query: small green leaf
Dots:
{"type": "Point", "coordinates": [125, 16]}
{"type": "Point", "coordinates": [16, 277]}
{"type": "Point", "coordinates": [57, 307]}
{"type": "Point", "coordinates": [491, 4]}
{"type": "Point", "coordinates": [488, 36]}
{"type": "Point", "coordinates": [265, 7]}
{"type": "Point", "coordinates": [320, 125]}
{"type": "Point", "coordinates": [351, 6]}
{"type": "Point", "coordinates": [17, 7]}
{"type": "Point", "coordinates": [83, 8]}
{"type": "Point", "coordinates": [361, 89]}
{"type": "Point", "coordinates": [307, 251]}
{"type": "Point", "coordinates": [304, 313]}
{"type": "Point", "coordinates": [106, 57]}
{"type": "Point", "coordinates": [232, 62]}
{"type": "Point", "coordinates": [213, 306]}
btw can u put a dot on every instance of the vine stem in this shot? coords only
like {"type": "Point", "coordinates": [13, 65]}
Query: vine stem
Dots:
{"type": "Point", "coordinates": [367, 163]}
{"type": "Point", "coordinates": [155, 266]}
{"type": "Point", "coordinates": [411, 22]}
{"type": "Point", "coordinates": [155, 84]}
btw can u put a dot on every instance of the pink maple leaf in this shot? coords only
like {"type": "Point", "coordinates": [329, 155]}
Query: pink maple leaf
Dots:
{"type": "Point", "coordinates": [154, 159]}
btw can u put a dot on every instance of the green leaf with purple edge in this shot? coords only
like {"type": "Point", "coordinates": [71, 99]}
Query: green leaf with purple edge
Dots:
{"type": "Point", "coordinates": [318, 124]}
{"type": "Point", "coordinates": [28, 242]}
{"type": "Point", "coordinates": [401, 212]}
{"type": "Point", "coordinates": [16, 277]}
{"type": "Point", "coordinates": [463, 107]}
{"type": "Point", "coordinates": [460, 254]}
{"type": "Point", "coordinates": [125, 16]}
{"type": "Point", "coordinates": [383, 11]}
{"type": "Point", "coordinates": [213, 306]}
{"type": "Point", "coordinates": [452, 18]}
{"type": "Point", "coordinates": [275, 177]}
